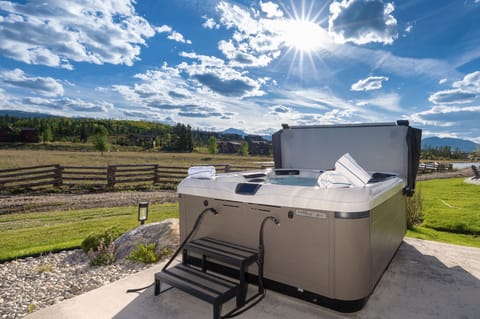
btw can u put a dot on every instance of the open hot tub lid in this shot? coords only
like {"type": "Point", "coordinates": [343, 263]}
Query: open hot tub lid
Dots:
{"type": "Point", "coordinates": [379, 147]}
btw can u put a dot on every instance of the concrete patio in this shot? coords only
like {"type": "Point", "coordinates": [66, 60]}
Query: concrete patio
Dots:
{"type": "Point", "coordinates": [425, 280]}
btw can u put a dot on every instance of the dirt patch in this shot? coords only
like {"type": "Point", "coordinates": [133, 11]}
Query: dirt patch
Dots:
{"type": "Point", "coordinates": [61, 202]}
{"type": "Point", "coordinates": [466, 172]}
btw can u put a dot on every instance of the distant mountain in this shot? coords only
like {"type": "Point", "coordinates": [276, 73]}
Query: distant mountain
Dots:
{"type": "Point", "coordinates": [24, 114]}
{"type": "Point", "coordinates": [454, 143]}
{"type": "Point", "coordinates": [234, 131]}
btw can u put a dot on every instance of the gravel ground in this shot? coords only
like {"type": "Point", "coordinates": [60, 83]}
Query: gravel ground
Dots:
{"type": "Point", "coordinates": [30, 284]}
{"type": "Point", "coordinates": [56, 202]}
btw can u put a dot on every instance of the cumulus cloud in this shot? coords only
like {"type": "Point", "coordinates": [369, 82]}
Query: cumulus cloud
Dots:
{"type": "Point", "coordinates": [172, 34]}
{"type": "Point", "coordinates": [463, 91]}
{"type": "Point", "coordinates": [199, 89]}
{"type": "Point", "coordinates": [176, 36]}
{"type": "Point", "coordinates": [210, 23]}
{"type": "Point", "coordinates": [470, 83]}
{"type": "Point", "coordinates": [46, 86]}
{"type": "Point", "coordinates": [57, 33]}
{"type": "Point", "coordinates": [254, 42]}
{"type": "Point", "coordinates": [271, 9]}
{"type": "Point", "coordinates": [362, 21]}
{"type": "Point", "coordinates": [212, 73]}
{"type": "Point", "coordinates": [368, 84]}
{"type": "Point", "coordinates": [452, 117]}
{"type": "Point", "coordinates": [455, 96]}
{"type": "Point", "coordinates": [279, 109]}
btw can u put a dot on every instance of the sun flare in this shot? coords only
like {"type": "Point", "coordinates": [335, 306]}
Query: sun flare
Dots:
{"type": "Point", "coordinates": [303, 35]}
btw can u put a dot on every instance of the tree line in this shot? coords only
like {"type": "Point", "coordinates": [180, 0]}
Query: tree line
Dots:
{"type": "Point", "coordinates": [441, 152]}
{"type": "Point", "coordinates": [102, 132]}
{"type": "Point", "coordinates": [105, 132]}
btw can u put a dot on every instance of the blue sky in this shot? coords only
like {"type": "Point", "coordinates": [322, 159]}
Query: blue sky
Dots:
{"type": "Point", "coordinates": [251, 65]}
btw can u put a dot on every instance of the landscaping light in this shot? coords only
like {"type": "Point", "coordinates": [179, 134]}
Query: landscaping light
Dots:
{"type": "Point", "coordinates": [142, 212]}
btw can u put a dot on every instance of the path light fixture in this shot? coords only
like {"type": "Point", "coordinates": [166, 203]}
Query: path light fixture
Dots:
{"type": "Point", "coordinates": [142, 212]}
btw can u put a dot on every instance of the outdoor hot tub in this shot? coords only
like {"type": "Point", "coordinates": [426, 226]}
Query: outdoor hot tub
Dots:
{"type": "Point", "coordinates": [336, 236]}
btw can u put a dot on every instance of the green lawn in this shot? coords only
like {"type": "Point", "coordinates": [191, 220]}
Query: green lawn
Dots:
{"type": "Point", "coordinates": [34, 233]}
{"type": "Point", "coordinates": [451, 212]}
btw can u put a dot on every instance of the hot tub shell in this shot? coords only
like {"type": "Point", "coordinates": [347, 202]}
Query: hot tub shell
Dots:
{"type": "Point", "coordinates": [333, 244]}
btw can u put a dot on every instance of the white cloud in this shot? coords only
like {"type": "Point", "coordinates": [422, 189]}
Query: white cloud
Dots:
{"type": "Point", "coordinates": [210, 23]}
{"type": "Point", "coordinates": [453, 118]}
{"type": "Point", "coordinates": [164, 29]}
{"type": "Point", "coordinates": [454, 96]}
{"type": "Point", "coordinates": [463, 91]}
{"type": "Point", "coordinates": [212, 73]}
{"type": "Point", "coordinates": [271, 9]}
{"type": "Point", "coordinates": [172, 34]}
{"type": "Point", "coordinates": [362, 21]}
{"type": "Point", "coordinates": [279, 109]}
{"type": "Point", "coordinates": [470, 83]}
{"type": "Point", "coordinates": [254, 42]}
{"type": "Point", "coordinates": [176, 36]}
{"type": "Point", "coordinates": [46, 86]}
{"type": "Point", "coordinates": [368, 84]}
{"type": "Point", "coordinates": [442, 81]}
{"type": "Point", "coordinates": [409, 28]}
{"type": "Point", "coordinates": [57, 33]}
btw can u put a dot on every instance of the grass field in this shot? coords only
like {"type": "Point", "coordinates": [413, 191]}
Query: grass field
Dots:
{"type": "Point", "coordinates": [24, 158]}
{"type": "Point", "coordinates": [451, 212]}
{"type": "Point", "coordinates": [28, 234]}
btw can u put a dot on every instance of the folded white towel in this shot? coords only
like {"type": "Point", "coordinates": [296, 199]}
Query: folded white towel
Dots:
{"type": "Point", "coordinates": [352, 171]}
{"type": "Point", "coordinates": [201, 171]}
{"type": "Point", "coordinates": [332, 179]}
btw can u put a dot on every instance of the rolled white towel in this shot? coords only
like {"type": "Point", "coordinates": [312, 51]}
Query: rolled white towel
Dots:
{"type": "Point", "coordinates": [202, 172]}
{"type": "Point", "coordinates": [352, 171]}
{"type": "Point", "coordinates": [333, 179]}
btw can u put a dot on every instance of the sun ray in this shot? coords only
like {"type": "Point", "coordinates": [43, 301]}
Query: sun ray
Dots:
{"type": "Point", "coordinates": [303, 36]}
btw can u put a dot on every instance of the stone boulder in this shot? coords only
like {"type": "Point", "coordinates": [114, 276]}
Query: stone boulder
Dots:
{"type": "Point", "coordinates": [164, 234]}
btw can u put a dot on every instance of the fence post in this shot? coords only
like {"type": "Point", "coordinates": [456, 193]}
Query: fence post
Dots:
{"type": "Point", "coordinates": [227, 168]}
{"type": "Point", "coordinates": [155, 175]}
{"type": "Point", "coordinates": [111, 170]}
{"type": "Point", "coordinates": [58, 171]}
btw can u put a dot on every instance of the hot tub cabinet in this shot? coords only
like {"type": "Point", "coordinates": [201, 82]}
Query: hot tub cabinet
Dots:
{"type": "Point", "coordinates": [333, 244]}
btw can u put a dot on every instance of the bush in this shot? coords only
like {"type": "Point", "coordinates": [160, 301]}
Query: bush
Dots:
{"type": "Point", "coordinates": [104, 255]}
{"type": "Point", "coordinates": [99, 247]}
{"type": "Point", "coordinates": [92, 242]}
{"type": "Point", "coordinates": [414, 209]}
{"type": "Point", "coordinates": [146, 253]}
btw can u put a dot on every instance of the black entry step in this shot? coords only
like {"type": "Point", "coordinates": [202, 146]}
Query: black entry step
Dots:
{"type": "Point", "coordinates": [238, 256]}
{"type": "Point", "coordinates": [206, 286]}
{"type": "Point", "coordinates": [233, 254]}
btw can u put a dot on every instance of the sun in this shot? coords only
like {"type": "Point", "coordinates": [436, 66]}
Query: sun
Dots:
{"type": "Point", "coordinates": [303, 35]}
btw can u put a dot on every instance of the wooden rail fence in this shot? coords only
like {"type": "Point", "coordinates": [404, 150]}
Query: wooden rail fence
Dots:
{"type": "Point", "coordinates": [108, 177]}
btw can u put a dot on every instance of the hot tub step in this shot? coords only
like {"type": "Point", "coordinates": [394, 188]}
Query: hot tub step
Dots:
{"type": "Point", "coordinates": [238, 256]}
{"type": "Point", "coordinates": [205, 286]}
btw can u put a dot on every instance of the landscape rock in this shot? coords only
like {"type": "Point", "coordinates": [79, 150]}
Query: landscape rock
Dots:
{"type": "Point", "coordinates": [164, 234]}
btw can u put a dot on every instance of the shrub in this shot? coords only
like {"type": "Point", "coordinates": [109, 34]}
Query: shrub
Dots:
{"type": "Point", "coordinates": [146, 253]}
{"type": "Point", "coordinates": [92, 242]}
{"type": "Point", "coordinates": [104, 255]}
{"type": "Point", "coordinates": [415, 209]}
{"type": "Point", "coordinates": [99, 247]}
